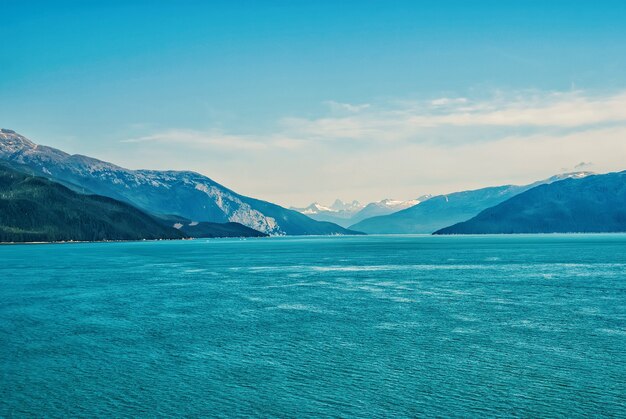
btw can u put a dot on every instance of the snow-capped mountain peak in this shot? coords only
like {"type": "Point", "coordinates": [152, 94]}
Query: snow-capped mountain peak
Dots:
{"type": "Point", "coordinates": [315, 208]}
{"type": "Point", "coordinates": [340, 205]}
{"type": "Point", "coordinates": [12, 142]}
{"type": "Point", "coordinates": [398, 204]}
{"type": "Point", "coordinates": [569, 175]}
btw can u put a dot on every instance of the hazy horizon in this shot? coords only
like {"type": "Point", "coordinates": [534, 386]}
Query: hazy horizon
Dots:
{"type": "Point", "coordinates": [301, 103]}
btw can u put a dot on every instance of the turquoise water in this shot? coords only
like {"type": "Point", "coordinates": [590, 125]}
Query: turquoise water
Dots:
{"type": "Point", "coordinates": [345, 326]}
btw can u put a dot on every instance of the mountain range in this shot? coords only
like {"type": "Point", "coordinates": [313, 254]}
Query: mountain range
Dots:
{"type": "Point", "coordinates": [346, 214]}
{"type": "Point", "coordinates": [182, 193]}
{"type": "Point", "coordinates": [593, 204]}
{"type": "Point", "coordinates": [49, 195]}
{"type": "Point", "coordinates": [444, 210]}
{"type": "Point", "coordinates": [35, 209]}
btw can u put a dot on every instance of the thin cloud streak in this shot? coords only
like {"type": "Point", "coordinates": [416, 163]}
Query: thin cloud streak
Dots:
{"type": "Point", "coordinates": [215, 139]}
{"type": "Point", "coordinates": [417, 120]}
{"type": "Point", "coordinates": [346, 107]}
{"type": "Point", "coordinates": [539, 110]}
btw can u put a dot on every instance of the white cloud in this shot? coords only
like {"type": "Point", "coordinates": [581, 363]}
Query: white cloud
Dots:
{"type": "Point", "coordinates": [215, 139]}
{"type": "Point", "coordinates": [346, 107]}
{"type": "Point", "coordinates": [447, 101]}
{"type": "Point", "coordinates": [409, 120]}
{"type": "Point", "coordinates": [406, 149]}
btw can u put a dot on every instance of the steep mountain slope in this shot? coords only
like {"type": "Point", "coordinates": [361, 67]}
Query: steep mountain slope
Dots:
{"type": "Point", "coordinates": [36, 209]}
{"type": "Point", "coordinates": [186, 194]}
{"type": "Point", "coordinates": [444, 210]}
{"type": "Point", "coordinates": [594, 204]}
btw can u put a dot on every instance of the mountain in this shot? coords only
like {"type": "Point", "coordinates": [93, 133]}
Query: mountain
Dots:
{"type": "Point", "coordinates": [444, 210]}
{"type": "Point", "coordinates": [346, 214]}
{"type": "Point", "coordinates": [593, 204]}
{"type": "Point", "coordinates": [349, 207]}
{"type": "Point", "coordinates": [37, 209]}
{"type": "Point", "coordinates": [339, 212]}
{"type": "Point", "coordinates": [186, 194]}
{"type": "Point", "coordinates": [387, 206]}
{"type": "Point", "coordinates": [315, 209]}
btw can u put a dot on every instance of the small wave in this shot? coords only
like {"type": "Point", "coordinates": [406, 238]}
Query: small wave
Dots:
{"type": "Point", "coordinates": [395, 325]}
{"type": "Point", "coordinates": [401, 299]}
{"type": "Point", "coordinates": [300, 307]}
{"type": "Point", "coordinates": [613, 331]}
{"type": "Point", "coordinates": [352, 268]}
{"type": "Point", "coordinates": [464, 330]}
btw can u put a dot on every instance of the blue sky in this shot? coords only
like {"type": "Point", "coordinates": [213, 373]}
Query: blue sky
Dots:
{"type": "Point", "coordinates": [301, 101]}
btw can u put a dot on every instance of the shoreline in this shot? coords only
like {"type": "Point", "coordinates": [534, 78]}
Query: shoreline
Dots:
{"type": "Point", "coordinates": [119, 241]}
{"type": "Point", "coordinates": [317, 235]}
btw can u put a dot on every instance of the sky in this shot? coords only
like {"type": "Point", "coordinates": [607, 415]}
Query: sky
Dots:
{"type": "Point", "coordinates": [295, 101]}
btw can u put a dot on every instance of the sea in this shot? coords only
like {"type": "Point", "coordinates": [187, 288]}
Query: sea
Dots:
{"type": "Point", "coordinates": [364, 326]}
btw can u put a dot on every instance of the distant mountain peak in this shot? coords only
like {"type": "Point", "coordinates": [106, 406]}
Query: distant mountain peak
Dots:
{"type": "Point", "coordinates": [570, 175]}
{"type": "Point", "coordinates": [340, 205]}
{"type": "Point", "coordinates": [347, 213]}
{"type": "Point", "coordinates": [399, 204]}
{"type": "Point", "coordinates": [314, 208]}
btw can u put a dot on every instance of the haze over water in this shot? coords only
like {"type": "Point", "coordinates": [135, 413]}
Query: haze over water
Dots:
{"type": "Point", "coordinates": [341, 326]}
